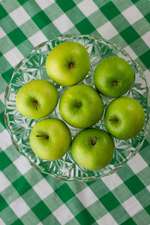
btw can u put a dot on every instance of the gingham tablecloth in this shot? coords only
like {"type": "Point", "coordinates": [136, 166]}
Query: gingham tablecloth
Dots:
{"type": "Point", "coordinates": [30, 198]}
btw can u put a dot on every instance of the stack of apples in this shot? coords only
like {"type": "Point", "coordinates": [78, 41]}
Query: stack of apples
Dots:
{"type": "Point", "coordinates": [81, 106]}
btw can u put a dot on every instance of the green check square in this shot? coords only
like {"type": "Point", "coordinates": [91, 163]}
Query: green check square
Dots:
{"type": "Point", "coordinates": [17, 222]}
{"type": "Point", "coordinates": [53, 197]}
{"type": "Point", "coordinates": [144, 176]}
{"type": "Point", "coordinates": [130, 35]}
{"type": "Point", "coordinates": [145, 59]}
{"type": "Point", "coordinates": [122, 189]}
{"type": "Point", "coordinates": [75, 15]}
{"type": "Point", "coordinates": [65, 4]}
{"type": "Point", "coordinates": [109, 201]}
{"type": "Point", "coordinates": [4, 161]}
{"type": "Point", "coordinates": [41, 19]}
{"type": "Point", "coordinates": [30, 219]}
{"type": "Point", "coordinates": [139, 47]}
{"type": "Point", "coordinates": [51, 220]}
{"type": "Point", "coordinates": [119, 214]}
{"type": "Point", "coordinates": [12, 193]}
{"type": "Point", "coordinates": [135, 1]}
{"type": "Point", "coordinates": [41, 210]}
{"type": "Point", "coordinates": [50, 31]}
{"type": "Point", "coordinates": [32, 198]}
{"type": "Point", "coordinates": [110, 10]}
{"type": "Point", "coordinates": [54, 11]}
{"type": "Point", "coordinates": [85, 27]}
{"type": "Point", "coordinates": [3, 203]}
{"type": "Point", "coordinates": [73, 222]}
{"type": "Point", "coordinates": [17, 36]}
{"type": "Point", "coordinates": [142, 197]}
{"type": "Point", "coordinates": [85, 218]}
{"type": "Point", "coordinates": [5, 44]}
{"type": "Point", "coordinates": [129, 221]}
{"type": "Point", "coordinates": [25, 48]}
{"type": "Point", "coordinates": [148, 17]}
{"type": "Point", "coordinates": [145, 153]}
{"type": "Point", "coordinates": [148, 209]}
{"type": "Point", "coordinates": [8, 216]}
{"type": "Point", "coordinates": [2, 107]}
{"type": "Point", "coordinates": [97, 19]}
{"type": "Point", "coordinates": [29, 28]}
{"type": "Point", "coordinates": [22, 1]}
{"type": "Point", "coordinates": [3, 12]}
{"type": "Point", "coordinates": [3, 85]}
{"type": "Point", "coordinates": [134, 184]}
{"type": "Point", "coordinates": [21, 185]}
{"type": "Point", "coordinates": [97, 210]}
{"type": "Point", "coordinates": [7, 75]}
{"type": "Point", "coordinates": [120, 23]}
{"type": "Point", "coordinates": [142, 218]}
{"type": "Point", "coordinates": [2, 120]}
{"type": "Point", "coordinates": [7, 24]}
{"type": "Point", "coordinates": [10, 7]}
{"type": "Point", "coordinates": [75, 205]}
{"type": "Point", "coordinates": [64, 192]}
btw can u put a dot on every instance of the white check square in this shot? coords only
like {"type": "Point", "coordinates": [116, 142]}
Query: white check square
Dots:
{"type": "Point", "coordinates": [132, 206]}
{"type": "Point", "coordinates": [2, 97]}
{"type": "Point", "coordinates": [4, 182]}
{"type": "Point", "coordinates": [107, 219]}
{"type": "Point", "coordinates": [146, 38]}
{"type": "Point", "coordinates": [132, 14]}
{"type": "Point", "coordinates": [19, 207]}
{"type": "Point", "coordinates": [112, 181]}
{"type": "Point", "coordinates": [86, 197]}
{"type": "Point", "coordinates": [5, 139]}
{"type": "Point", "coordinates": [87, 7]}
{"type": "Point", "coordinates": [13, 56]}
{"type": "Point", "coordinates": [2, 33]}
{"type": "Point", "coordinates": [19, 16]}
{"type": "Point", "coordinates": [130, 52]}
{"type": "Point", "coordinates": [22, 164]}
{"type": "Point", "coordinates": [137, 163]}
{"type": "Point", "coordinates": [63, 214]}
{"type": "Point", "coordinates": [2, 222]}
{"type": "Point", "coordinates": [63, 23]}
{"type": "Point", "coordinates": [44, 3]}
{"type": "Point", "coordinates": [107, 31]}
{"type": "Point", "coordinates": [43, 189]}
{"type": "Point", "coordinates": [37, 38]}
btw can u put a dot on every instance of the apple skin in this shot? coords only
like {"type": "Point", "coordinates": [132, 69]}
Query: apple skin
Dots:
{"type": "Point", "coordinates": [68, 63]}
{"type": "Point", "coordinates": [36, 99]}
{"type": "Point", "coordinates": [113, 76]}
{"type": "Point", "coordinates": [50, 139]}
{"type": "Point", "coordinates": [92, 149]}
{"type": "Point", "coordinates": [124, 118]}
{"type": "Point", "coordinates": [81, 106]}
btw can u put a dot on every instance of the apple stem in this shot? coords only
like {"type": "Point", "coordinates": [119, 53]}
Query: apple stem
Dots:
{"type": "Point", "coordinates": [93, 140]}
{"type": "Point", "coordinates": [35, 103]}
{"type": "Point", "coordinates": [70, 65]}
{"type": "Point", "coordinates": [45, 136]}
{"type": "Point", "coordinates": [114, 83]}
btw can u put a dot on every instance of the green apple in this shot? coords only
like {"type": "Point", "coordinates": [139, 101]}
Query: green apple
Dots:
{"type": "Point", "coordinates": [113, 76]}
{"type": "Point", "coordinates": [81, 106]}
{"type": "Point", "coordinates": [92, 149]}
{"type": "Point", "coordinates": [124, 117]}
{"type": "Point", "coordinates": [36, 99]}
{"type": "Point", "coordinates": [68, 63]}
{"type": "Point", "coordinates": [50, 139]}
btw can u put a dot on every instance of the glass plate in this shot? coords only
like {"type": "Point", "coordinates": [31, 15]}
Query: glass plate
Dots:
{"type": "Point", "coordinates": [33, 67]}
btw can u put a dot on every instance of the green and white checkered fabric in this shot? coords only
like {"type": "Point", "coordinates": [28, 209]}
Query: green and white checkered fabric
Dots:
{"type": "Point", "coordinates": [31, 198]}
